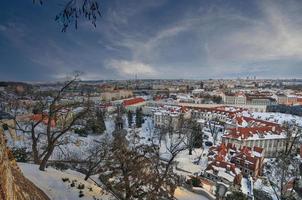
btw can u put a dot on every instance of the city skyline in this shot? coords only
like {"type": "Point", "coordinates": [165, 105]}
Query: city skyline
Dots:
{"type": "Point", "coordinates": [158, 39]}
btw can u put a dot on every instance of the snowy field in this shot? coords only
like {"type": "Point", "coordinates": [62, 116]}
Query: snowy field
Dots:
{"type": "Point", "coordinates": [52, 184]}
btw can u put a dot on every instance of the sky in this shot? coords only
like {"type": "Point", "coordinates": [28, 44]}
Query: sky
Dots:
{"type": "Point", "coordinates": [173, 39]}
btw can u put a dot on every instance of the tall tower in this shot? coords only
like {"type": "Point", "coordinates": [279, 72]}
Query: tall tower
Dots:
{"type": "Point", "coordinates": [119, 123]}
{"type": "Point", "coordinates": [136, 82]}
{"type": "Point", "coordinates": [201, 85]}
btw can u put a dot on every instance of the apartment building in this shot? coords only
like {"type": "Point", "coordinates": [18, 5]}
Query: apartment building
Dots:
{"type": "Point", "coordinates": [271, 138]}
{"type": "Point", "coordinates": [116, 94]}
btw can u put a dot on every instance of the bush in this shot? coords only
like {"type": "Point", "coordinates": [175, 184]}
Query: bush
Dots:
{"type": "Point", "coordinates": [81, 194]}
{"type": "Point", "coordinates": [81, 132]}
{"type": "Point", "coordinates": [236, 196]}
{"type": "Point", "coordinates": [20, 154]}
{"type": "Point", "coordinates": [65, 179]}
{"type": "Point", "coordinates": [81, 186]}
{"type": "Point", "coordinates": [262, 195]}
{"type": "Point", "coordinates": [196, 182]}
{"type": "Point", "coordinates": [59, 166]}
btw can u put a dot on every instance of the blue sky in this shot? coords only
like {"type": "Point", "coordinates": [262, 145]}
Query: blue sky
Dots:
{"type": "Point", "coordinates": [196, 39]}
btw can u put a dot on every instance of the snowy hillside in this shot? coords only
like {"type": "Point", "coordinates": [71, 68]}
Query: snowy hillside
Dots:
{"type": "Point", "coordinates": [52, 184]}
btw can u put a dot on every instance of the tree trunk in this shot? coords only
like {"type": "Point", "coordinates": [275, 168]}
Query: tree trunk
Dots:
{"type": "Point", "coordinates": [34, 147]}
{"type": "Point", "coordinates": [35, 152]}
{"type": "Point", "coordinates": [46, 157]}
{"type": "Point", "coordinates": [127, 185]}
{"type": "Point", "coordinates": [87, 175]}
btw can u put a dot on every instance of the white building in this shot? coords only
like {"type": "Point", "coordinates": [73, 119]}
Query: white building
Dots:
{"type": "Point", "coordinates": [271, 138]}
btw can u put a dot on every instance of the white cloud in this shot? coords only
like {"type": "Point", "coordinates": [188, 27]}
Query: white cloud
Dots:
{"type": "Point", "coordinates": [130, 68]}
{"type": "Point", "coordinates": [274, 36]}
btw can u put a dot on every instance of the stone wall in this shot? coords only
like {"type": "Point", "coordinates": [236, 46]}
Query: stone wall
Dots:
{"type": "Point", "coordinates": [13, 185]}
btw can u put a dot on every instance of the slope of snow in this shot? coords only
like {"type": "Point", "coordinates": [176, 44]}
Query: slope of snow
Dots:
{"type": "Point", "coordinates": [183, 194]}
{"type": "Point", "coordinates": [50, 181]}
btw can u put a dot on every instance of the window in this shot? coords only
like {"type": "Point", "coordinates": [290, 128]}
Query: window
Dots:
{"type": "Point", "coordinates": [276, 143]}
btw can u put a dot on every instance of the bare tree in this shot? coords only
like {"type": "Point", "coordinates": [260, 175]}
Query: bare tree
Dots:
{"type": "Point", "coordinates": [166, 180]}
{"type": "Point", "coordinates": [96, 157]}
{"type": "Point", "coordinates": [73, 10]}
{"type": "Point", "coordinates": [282, 172]}
{"type": "Point", "coordinates": [214, 128]}
{"type": "Point", "coordinates": [137, 171]}
{"type": "Point", "coordinates": [68, 120]}
{"type": "Point", "coordinates": [53, 120]}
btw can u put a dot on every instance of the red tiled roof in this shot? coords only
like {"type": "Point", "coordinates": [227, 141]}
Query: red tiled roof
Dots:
{"type": "Point", "coordinates": [245, 157]}
{"type": "Point", "coordinates": [258, 149]}
{"type": "Point", "coordinates": [43, 118]}
{"type": "Point", "coordinates": [245, 132]}
{"type": "Point", "coordinates": [129, 102]}
{"type": "Point", "coordinates": [222, 164]}
{"type": "Point", "coordinates": [266, 123]}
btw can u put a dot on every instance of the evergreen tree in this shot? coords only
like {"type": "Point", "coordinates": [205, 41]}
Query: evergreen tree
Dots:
{"type": "Point", "coordinates": [236, 196]}
{"type": "Point", "coordinates": [96, 123]}
{"type": "Point", "coordinates": [130, 118]}
{"type": "Point", "coordinates": [101, 127]}
{"type": "Point", "coordinates": [139, 117]}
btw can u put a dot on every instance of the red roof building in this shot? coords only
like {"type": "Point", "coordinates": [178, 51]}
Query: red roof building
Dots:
{"type": "Point", "coordinates": [130, 102]}
{"type": "Point", "coordinates": [249, 161]}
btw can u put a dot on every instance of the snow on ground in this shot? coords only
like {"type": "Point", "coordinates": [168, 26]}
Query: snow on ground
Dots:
{"type": "Point", "coordinates": [266, 188]}
{"type": "Point", "coordinates": [183, 194]}
{"type": "Point", "coordinates": [50, 181]}
{"type": "Point", "coordinates": [279, 118]}
{"type": "Point", "coordinates": [186, 161]}
{"type": "Point", "coordinates": [76, 146]}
